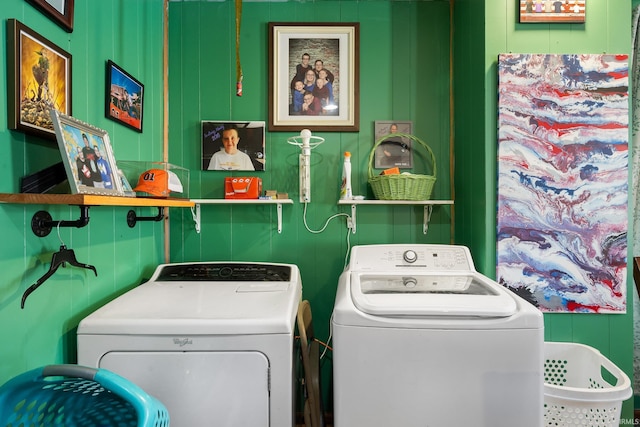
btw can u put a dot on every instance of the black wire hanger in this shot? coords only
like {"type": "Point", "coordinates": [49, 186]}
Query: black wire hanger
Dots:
{"type": "Point", "coordinates": [62, 257]}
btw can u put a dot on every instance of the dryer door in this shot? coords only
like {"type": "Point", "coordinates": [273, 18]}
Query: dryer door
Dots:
{"type": "Point", "coordinates": [222, 389]}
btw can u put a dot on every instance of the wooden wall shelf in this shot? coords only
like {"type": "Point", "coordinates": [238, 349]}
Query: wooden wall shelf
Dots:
{"type": "Point", "coordinates": [91, 200]}
{"type": "Point", "coordinates": [42, 223]}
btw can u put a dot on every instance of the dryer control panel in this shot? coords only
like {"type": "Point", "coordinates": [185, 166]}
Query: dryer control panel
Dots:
{"type": "Point", "coordinates": [431, 257]}
{"type": "Point", "coordinates": [223, 272]}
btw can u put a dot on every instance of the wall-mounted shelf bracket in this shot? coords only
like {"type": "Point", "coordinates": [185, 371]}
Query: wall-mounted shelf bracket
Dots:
{"type": "Point", "coordinates": [42, 223]}
{"type": "Point", "coordinates": [426, 217]}
{"type": "Point", "coordinates": [352, 220]}
{"type": "Point", "coordinates": [132, 218]}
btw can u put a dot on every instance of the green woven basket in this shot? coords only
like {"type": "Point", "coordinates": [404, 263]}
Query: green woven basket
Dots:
{"type": "Point", "coordinates": [402, 186]}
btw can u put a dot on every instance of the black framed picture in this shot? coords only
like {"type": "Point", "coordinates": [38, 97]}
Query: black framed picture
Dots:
{"type": "Point", "coordinates": [38, 78]}
{"type": "Point", "coordinates": [233, 145]}
{"type": "Point", "coordinates": [124, 98]}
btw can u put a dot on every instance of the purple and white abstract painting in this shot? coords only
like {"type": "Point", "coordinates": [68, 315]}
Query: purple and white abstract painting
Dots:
{"type": "Point", "coordinates": [562, 180]}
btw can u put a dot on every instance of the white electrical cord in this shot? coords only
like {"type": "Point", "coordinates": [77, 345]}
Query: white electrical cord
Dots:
{"type": "Point", "coordinates": [326, 347]}
{"type": "Point", "coordinates": [304, 218]}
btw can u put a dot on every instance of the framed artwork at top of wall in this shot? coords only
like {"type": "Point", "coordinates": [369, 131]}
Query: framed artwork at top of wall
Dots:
{"type": "Point", "coordinates": [61, 11]}
{"type": "Point", "coordinates": [39, 78]}
{"type": "Point", "coordinates": [314, 76]}
{"type": "Point", "coordinates": [552, 11]}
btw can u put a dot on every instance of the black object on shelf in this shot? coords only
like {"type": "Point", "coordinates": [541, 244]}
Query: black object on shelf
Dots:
{"type": "Point", "coordinates": [44, 180]}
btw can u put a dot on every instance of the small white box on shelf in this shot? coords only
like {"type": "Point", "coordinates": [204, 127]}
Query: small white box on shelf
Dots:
{"type": "Point", "coordinates": [155, 179]}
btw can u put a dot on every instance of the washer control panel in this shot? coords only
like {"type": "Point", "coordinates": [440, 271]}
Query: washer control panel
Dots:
{"type": "Point", "coordinates": [430, 257]}
{"type": "Point", "coordinates": [223, 272]}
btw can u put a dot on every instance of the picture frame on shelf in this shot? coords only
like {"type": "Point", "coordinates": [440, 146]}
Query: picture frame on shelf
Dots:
{"type": "Point", "coordinates": [87, 156]}
{"type": "Point", "coordinates": [297, 48]}
{"type": "Point", "coordinates": [395, 151]}
{"type": "Point", "coordinates": [39, 78]}
{"type": "Point", "coordinates": [221, 139]}
{"type": "Point", "coordinates": [60, 11]}
{"type": "Point", "coordinates": [552, 11]}
{"type": "Point", "coordinates": [124, 97]}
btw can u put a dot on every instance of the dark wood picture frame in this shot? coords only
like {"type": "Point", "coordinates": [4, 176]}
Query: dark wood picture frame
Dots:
{"type": "Point", "coordinates": [337, 46]}
{"type": "Point", "coordinates": [61, 14]}
{"type": "Point", "coordinates": [552, 11]}
{"type": "Point", "coordinates": [39, 78]}
{"type": "Point", "coordinates": [124, 97]}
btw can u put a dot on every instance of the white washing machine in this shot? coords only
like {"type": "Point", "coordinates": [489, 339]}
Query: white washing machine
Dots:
{"type": "Point", "coordinates": [213, 341]}
{"type": "Point", "coordinates": [421, 339]}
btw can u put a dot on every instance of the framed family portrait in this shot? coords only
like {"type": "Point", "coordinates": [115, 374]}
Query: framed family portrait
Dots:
{"type": "Point", "coordinates": [552, 11]}
{"type": "Point", "coordinates": [87, 156]}
{"type": "Point", "coordinates": [38, 78]}
{"type": "Point", "coordinates": [394, 150]}
{"type": "Point", "coordinates": [228, 145]}
{"type": "Point", "coordinates": [60, 11]}
{"type": "Point", "coordinates": [124, 97]}
{"type": "Point", "coordinates": [314, 76]}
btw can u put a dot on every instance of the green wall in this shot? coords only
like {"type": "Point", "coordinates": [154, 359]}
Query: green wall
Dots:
{"type": "Point", "coordinates": [607, 29]}
{"type": "Point", "coordinates": [404, 54]}
{"type": "Point", "coordinates": [129, 33]}
{"type": "Point", "coordinates": [404, 75]}
{"type": "Point", "coordinates": [404, 60]}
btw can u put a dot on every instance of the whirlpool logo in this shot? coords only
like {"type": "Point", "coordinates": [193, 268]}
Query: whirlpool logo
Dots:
{"type": "Point", "coordinates": [181, 342]}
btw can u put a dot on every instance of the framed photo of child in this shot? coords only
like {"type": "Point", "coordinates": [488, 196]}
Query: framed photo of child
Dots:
{"type": "Point", "coordinates": [233, 145]}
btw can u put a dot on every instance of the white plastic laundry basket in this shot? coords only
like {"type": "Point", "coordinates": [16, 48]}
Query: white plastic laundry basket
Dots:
{"type": "Point", "coordinates": [575, 392]}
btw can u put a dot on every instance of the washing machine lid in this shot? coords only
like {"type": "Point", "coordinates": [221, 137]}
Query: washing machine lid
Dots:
{"type": "Point", "coordinates": [436, 294]}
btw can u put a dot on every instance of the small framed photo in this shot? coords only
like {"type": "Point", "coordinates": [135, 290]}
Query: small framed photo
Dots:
{"type": "Point", "coordinates": [553, 11]}
{"type": "Point", "coordinates": [233, 145]}
{"type": "Point", "coordinates": [314, 72]}
{"type": "Point", "coordinates": [61, 11]}
{"type": "Point", "coordinates": [124, 98]}
{"type": "Point", "coordinates": [87, 156]}
{"type": "Point", "coordinates": [393, 151]}
{"type": "Point", "coordinates": [39, 78]}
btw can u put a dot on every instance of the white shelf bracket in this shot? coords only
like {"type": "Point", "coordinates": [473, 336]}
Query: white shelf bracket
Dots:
{"type": "Point", "coordinates": [195, 213]}
{"type": "Point", "coordinates": [352, 224]}
{"type": "Point", "coordinates": [279, 210]}
{"type": "Point", "coordinates": [428, 209]}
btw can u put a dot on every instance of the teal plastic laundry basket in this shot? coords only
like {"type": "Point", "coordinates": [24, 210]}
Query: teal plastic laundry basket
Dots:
{"type": "Point", "coordinates": [74, 396]}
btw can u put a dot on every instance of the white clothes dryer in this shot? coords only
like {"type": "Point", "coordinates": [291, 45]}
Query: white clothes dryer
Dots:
{"type": "Point", "coordinates": [421, 339]}
{"type": "Point", "coordinates": [213, 341]}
